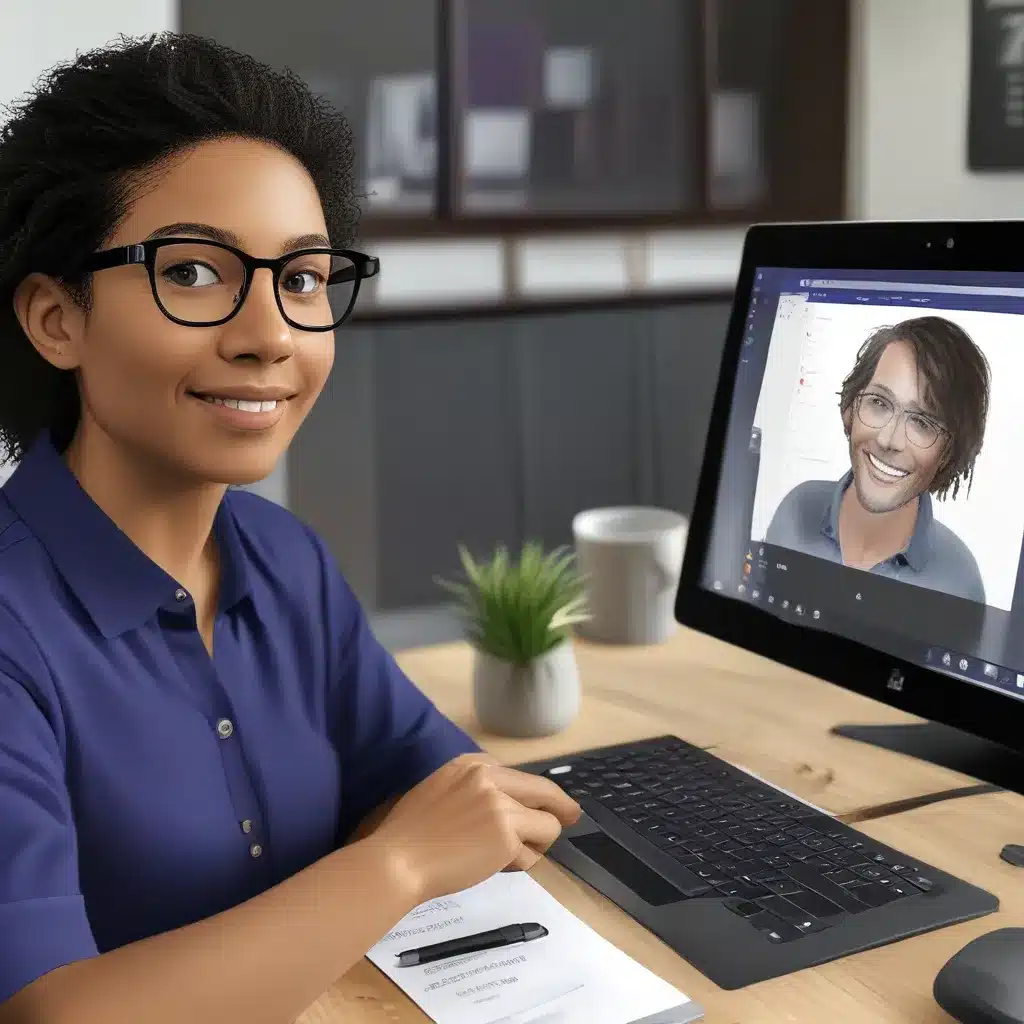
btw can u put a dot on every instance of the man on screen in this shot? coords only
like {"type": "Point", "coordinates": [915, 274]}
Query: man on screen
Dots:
{"type": "Point", "coordinates": [913, 409]}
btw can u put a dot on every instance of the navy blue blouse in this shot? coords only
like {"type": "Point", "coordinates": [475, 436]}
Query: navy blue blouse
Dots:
{"type": "Point", "coordinates": [145, 785]}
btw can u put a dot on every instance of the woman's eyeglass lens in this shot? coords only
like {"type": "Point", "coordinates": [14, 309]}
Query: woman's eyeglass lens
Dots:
{"type": "Point", "coordinates": [201, 284]}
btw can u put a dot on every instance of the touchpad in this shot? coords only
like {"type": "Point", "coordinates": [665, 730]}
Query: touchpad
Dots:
{"type": "Point", "coordinates": [629, 870]}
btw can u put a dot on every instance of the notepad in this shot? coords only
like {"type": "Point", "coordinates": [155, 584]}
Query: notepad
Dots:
{"type": "Point", "coordinates": [569, 976]}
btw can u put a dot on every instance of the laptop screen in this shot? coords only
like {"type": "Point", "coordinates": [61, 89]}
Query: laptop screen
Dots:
{"type": "Point", "coordinates": [871, 483]}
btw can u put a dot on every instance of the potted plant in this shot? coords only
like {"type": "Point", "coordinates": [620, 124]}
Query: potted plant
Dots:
{"type": "Point", "coordinates": [518, 616]}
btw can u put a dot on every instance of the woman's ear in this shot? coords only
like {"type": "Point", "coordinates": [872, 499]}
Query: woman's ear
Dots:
{"type": "Point", "coordinates": [51, 319]}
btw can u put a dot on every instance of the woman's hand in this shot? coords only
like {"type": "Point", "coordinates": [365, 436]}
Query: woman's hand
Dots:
{"type": "Point", "coordinates": [468, 820]}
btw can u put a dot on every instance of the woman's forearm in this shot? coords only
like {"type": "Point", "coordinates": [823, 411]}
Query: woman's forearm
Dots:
{"type": "Point", "coordinates": [263, 961]}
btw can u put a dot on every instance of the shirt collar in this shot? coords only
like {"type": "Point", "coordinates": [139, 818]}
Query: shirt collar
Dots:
{"type": "Point", "coordinates": [914, 554]}
{"type": "Point", "coordinates": [116, 582]}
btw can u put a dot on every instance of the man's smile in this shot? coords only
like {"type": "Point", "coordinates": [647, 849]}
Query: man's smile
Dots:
{"type": "Point", "coordinates": [892, 472]}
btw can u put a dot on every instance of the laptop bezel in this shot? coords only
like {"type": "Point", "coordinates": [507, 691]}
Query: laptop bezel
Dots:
{"type": "Point", "coordinates": [918, 245]}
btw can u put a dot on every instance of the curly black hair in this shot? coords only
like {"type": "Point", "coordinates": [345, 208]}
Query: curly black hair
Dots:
{"type": "Point", "coordinates": [72, 151]}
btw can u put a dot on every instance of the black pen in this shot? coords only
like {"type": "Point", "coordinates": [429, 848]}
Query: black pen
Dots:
{"type": "Point", "coordinates": [508, 935]}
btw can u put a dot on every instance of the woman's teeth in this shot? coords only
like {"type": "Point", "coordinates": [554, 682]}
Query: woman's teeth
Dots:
{"type": "Point", "coordinates": [241, 404]}
{"type": "Point", "coordinates": [896, 474]}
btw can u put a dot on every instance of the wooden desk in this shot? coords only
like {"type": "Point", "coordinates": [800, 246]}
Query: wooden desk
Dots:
{"type": "Point", "coordinates": [755, 712]}
{"type": "Point", "coordinates": [775, 722]}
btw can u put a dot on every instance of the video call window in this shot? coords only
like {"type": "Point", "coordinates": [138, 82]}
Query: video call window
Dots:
{"type": "Point", "coordinates": [889, 426]}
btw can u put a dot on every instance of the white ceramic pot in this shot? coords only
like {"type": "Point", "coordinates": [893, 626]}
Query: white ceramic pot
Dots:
{"type": "Point", "coordinates": [524, 701]}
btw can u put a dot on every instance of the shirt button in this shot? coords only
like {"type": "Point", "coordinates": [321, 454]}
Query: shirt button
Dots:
{"type": "Point", "coordinates": [247, 825]}
{"type": "Point", "coordinates": [180, 595]}
{"type": "Point", "coordinates": [225, 728]}
{"type": "Point", "coordinates": [255, 850]}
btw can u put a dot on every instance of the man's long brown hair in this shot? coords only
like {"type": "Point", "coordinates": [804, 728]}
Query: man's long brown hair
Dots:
{"type": "Point", "coordinates": [956, 377]}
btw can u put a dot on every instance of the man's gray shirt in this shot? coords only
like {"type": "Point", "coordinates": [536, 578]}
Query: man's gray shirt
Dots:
{"type": "Point", "coordinates": [808, 521]}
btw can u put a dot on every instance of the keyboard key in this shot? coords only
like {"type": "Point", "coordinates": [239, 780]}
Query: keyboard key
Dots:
{"type": "Point", "coordinates": [903, 889]}
{"type": "Point", "coordinates": [819, 844]}
{"type": "Point", "coordinates": [782, 908]}
{"type": "Point", "coordinates": [847, 857]}
{"type": "Point", "coordinates": [872, 874]}
{"type": "Point", "coordinates": [842, 877]}
{"type": "Point", "coordinates": [671, 813]}
{"type": "Point", "coordinates": [814, 904]}
{"type": "Point", "coordinates": [796, 851]}
{"type": "Point", "coordinates": [726, 867]}
{"type": "Point", "coordinates": [811, 878]}
{"type": "Point", "coordinates": [873, 894]}
{"type": "Point", "coordinates": [748, 867]}
{"type": "Point", "coordinates": [753, 814]}
{"type": "Point", "coordinates": [742, 890]}
{"type": "Point", "coordinates": [661, 840]}
{"type": "Point", "coordinates": [774, 928]}
{"type": "Point", "coordinates": [821, 864]}
{"type": "Point", "coordinates": [730, 847]}
{"type": "Point", "coordinates": [918, 880]}
{"type": "Point", "coordinates": [723, 821]}
{"type": "Point", "coordinates": [684, 857]}
{"type": "Point", "coordinates": [783, 887]}
{"type": "Point", "coordinates": [698, 846]}
{"type": "Point", "coordinates": [744, 908]}
{"type": "Point", "coordinates": [799, 832]}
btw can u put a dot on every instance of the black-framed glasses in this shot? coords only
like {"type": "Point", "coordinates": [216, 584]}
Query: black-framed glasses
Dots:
{"type": "Point", "coordinates": [875, 410]}
{"type": "Point", "coordinates": [201, 283]}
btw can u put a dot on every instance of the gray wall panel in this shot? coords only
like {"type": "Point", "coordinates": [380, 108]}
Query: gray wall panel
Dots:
{"type": "Point", "coordinates": [687, 351]}
{"type": "Point", "coordinates": [332, 463]}
{"type": "Point", "coordinates": [446, 446]}
{"type": "Point", "coordinates": [579, 382]}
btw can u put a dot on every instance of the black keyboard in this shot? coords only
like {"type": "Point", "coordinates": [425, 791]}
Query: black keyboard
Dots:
{"type": "Point", "coordinates": [782, 865]}
{"type": "Point", "coordinates": [790, 872]}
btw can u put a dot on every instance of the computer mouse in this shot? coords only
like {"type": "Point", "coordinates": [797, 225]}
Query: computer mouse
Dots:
{"type": "Point", "coordinates": [984, 982]}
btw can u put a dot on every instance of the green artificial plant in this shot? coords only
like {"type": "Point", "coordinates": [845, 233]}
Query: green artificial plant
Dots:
{"type": "Point", "coordinates": [519, 610]}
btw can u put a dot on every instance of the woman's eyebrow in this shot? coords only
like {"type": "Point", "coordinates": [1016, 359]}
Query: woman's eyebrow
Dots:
{"type": "Point", "coordinates": [312, 240]}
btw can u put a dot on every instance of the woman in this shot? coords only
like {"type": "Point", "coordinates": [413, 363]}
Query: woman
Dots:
{"type": "Point", "coordinates": [217, 791]}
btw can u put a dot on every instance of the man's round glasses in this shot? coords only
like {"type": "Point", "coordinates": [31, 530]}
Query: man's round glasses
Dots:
{"type": "Point", "coordinates": [203, 284]}
{"type": "Point", "coordinates": [876, 411]}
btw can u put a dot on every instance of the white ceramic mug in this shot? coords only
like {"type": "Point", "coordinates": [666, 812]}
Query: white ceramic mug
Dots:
{"type": "Point", "coordinates": [632, 558]}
